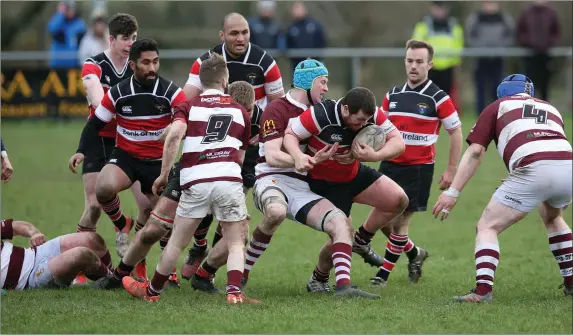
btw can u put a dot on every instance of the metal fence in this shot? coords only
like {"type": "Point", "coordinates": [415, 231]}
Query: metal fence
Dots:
{"type": "Point", "coordinates": [355, 56]}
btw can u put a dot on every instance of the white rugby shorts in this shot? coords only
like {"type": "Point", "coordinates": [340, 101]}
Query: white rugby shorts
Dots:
{"type": "Point", "coordinates": [225, 199]}
{"type": "Point", "coordinates": [41, 276]}
{"type": "Point", "coordinates": [297, 193]}
{"type": "Point", "coordinates": [527, 187]}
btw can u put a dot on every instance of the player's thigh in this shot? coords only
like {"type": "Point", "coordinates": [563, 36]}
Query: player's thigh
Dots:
{"type": "Point", "coordinates": [118, 174]}
{"type": "Point", "coordinates": [267, 193]}
{"type": "Point", "coordinates": [379, 191]}
{"type": "Point", "coordinates": [195, 201]}
{"type": "Point", "coordinates": [146, 173]}
{"type": "Point", "coordinates": [498, 216]}
{"type": "Point", "coordinates": [228, 201]}
{"type": "Point", "coordinates": [92, 241]}
{"type": "Point", "coordinates": [560, 193]}
{"type": "Point", "coordinates": [339, 194]}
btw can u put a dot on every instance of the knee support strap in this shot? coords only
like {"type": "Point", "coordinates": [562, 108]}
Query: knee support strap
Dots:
{"type": "Point", "coordinates": [328, 216]}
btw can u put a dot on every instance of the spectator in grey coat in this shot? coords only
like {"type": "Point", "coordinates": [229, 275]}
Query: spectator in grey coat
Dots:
{"type": "Point", "coordinates": [489, 27]}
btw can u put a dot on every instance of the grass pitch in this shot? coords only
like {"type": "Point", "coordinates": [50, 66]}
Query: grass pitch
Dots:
{"type": "Point", "coordinates": [526, 298]}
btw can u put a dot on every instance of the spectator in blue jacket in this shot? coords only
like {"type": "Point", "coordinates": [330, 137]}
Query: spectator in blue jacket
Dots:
{"type": "Point", "coordinates": [265, 30]}
{"type": "Point", "coordinates": [66, 29]}
{"type": "Point", "coordinates": [304, 32]}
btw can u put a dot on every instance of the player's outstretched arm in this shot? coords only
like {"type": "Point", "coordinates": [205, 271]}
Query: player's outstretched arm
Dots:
{"type": "Point", "coordinates": [468, 166]}
{"type": "Point", "coordinates": [94, 90]}
{"type": "Point", "coordinates": [274, 155]}
{"type": "Point", "coordinates": [26, 229]}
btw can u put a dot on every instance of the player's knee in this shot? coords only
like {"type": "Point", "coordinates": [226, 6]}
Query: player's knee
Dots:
{"type": "Point", "coordinates": [104, 192]}
{"type": "Point", "coordinates": [275, 211]}
{"type": "Point", "coordinates": [337, 225]}
{"type": "Point", "coordinates": [85, 255]}
{"type": "Point", "coordinates": [549, 215]}
{"type": "Point", "coordinates": [151, 234]}
{"type": "Point", "coordinates": [402, 202]}
{"type": "Point", "coordinates": [96, 242]}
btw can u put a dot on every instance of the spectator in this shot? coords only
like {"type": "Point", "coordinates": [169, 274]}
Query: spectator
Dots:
{"type": "Point", "coordinates": [66, 29]}
{"type": "Point", "coordinates": [489, 28]}
{"type": "Point", "coordinates": [304, 32]}
{"type": "Point", "coordinates": [265, 30]}
{"type": "Point", "coordinates": [96, 40]}
{"type": "Point", "coordinates": [538, 29]}
{"type": "Point", "coordinates": [446, 35]}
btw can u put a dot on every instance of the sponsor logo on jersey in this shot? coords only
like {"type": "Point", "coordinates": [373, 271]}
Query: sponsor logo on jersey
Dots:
{"type": "Point", "coordinates": [126, 109]}
{"type": "Point", "coordinates": [336, 137]}
{"type": "Point", "coordinates": [136, 133]}
{"type": "Point", "coordinates": [219, 99]}
{"type": "Point", "coordinates": [269, 128]}
{"type": "Point", "coordinates": [415, 137]}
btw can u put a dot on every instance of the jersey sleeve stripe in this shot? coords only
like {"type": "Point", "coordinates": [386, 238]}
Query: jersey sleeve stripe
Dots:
{"type": "Point", "coordinates": [442, 100]}
{"type": "Point", "coordinates": [103, 114]}
{"type": "Point", "coordinates": [452, 121]}
{"type": "Point", "coordinates": [267, 70]}
{"type": "Point", "coordinates": [174, 95]}
{"type": "Point", "coordinates": [299, 130]}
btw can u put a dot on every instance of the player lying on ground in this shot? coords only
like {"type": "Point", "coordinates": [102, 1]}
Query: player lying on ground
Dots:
{"type": "Point", "coordinates": [137, 155]}
{"type": "Point", "coordinates": [50, 264]}
{"type": "Point", "coordinates": [530, 139]}
{"type": "Point", "coordinates": [216, 133]}
{"type": "Point", "coordinates": [417, 108]}
{"type": "Point", "coordinates": [99, 73]}
{"type": "Point", "coordinates": [245, 62]}
{"type": "Point", "coordinates": [345, 181]}
{"type": "Point", "coordinates": [160, 223]}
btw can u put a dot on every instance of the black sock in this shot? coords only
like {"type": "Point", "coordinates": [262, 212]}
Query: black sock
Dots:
{"type": "Point", "coordinates": [362, 236]}
{"type": "Point", "coordinates": [122, 270]}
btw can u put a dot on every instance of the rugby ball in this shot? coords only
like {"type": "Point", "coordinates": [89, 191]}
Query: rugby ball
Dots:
{"type": "Point", "coordinates": [372, 135]}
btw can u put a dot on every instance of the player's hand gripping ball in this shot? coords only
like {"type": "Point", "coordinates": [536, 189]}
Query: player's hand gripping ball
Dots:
{"type": "Point", "coordinates": [373, 136]}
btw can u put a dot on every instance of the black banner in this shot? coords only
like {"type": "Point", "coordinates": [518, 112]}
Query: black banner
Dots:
{"type": "Point", "coordinates": [39, 93]}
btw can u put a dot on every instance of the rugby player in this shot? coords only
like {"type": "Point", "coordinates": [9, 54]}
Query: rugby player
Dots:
{"type": "Point", "coordinates": [216, 133]}
{"type": "Point", "coordinates": [160, 223]}
{"type": "Point", "coordinates": [346, 182]}
{"type": "Point", "coordinates": [530, 138]}
{"type": "Point", "coordinates": [142, 106]}
{"type": "Point", "coordinates": [246, 62]}
{"type": "Point", "coordinates": [50, 264]}
{"type": "Point", "coordinates": [7, 169]}
{"type": "Point", "coordinates": [99, 73]}
{"type": "Point", "coordinates": [281, 192]}
{"type": "Point", "coordinates": [417, 108]}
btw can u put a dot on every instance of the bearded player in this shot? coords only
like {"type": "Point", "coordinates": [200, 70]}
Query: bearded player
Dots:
{"type": "Point", "coordinates": [530, 138]}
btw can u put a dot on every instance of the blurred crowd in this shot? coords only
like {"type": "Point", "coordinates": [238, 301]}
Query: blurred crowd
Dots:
{"type": "Point", "coordinates": [536, 27]}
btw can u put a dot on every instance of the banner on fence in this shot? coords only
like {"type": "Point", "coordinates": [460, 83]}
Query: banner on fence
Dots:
{"type": "Point", "coordinates": [38, 93]}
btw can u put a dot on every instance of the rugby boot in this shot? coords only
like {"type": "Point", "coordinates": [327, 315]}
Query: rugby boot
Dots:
{"type": "Point", "coordinates": [192, 261]}
{"type": "Point", "coordinates": [368, 254]}
{"type": "Point", "coordinates": [138, 289]}
{"type": "Point", "coordinates": [415, 266]}
{"type": "Point", "coordinates": [240, 298]}
{"type": "Point", "coordinates": [122, 237]}
{"type": "Point", "coordinates": [473, 296]}
{"type": "Point", "coordinates": [206, 285]}
{"type": "Point", "coordinates": [173, 280]}
{"type": "Point", "coordinates": [80, 280]}
{"type": "Point", "coordinates": [567, 290]}
{"type": "Point", "coordinates": [107, 283]}
{"type": "Point", "coordinates": [140, 271]}
{"type": "Point", "coordinates": [316, 286]}
{"type": "Point", "coordinates": [349, 291]}
{"type": "Point", "coordinates": [378, 282]}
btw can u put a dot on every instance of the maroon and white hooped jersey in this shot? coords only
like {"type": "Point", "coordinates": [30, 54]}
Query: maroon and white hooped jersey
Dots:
{"type": "Point", "coordinates": [217, 128]}
{"type": "Point", "coordinates": [525, 130]}
{"type": "Point", "coordinates": [17, 262]}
